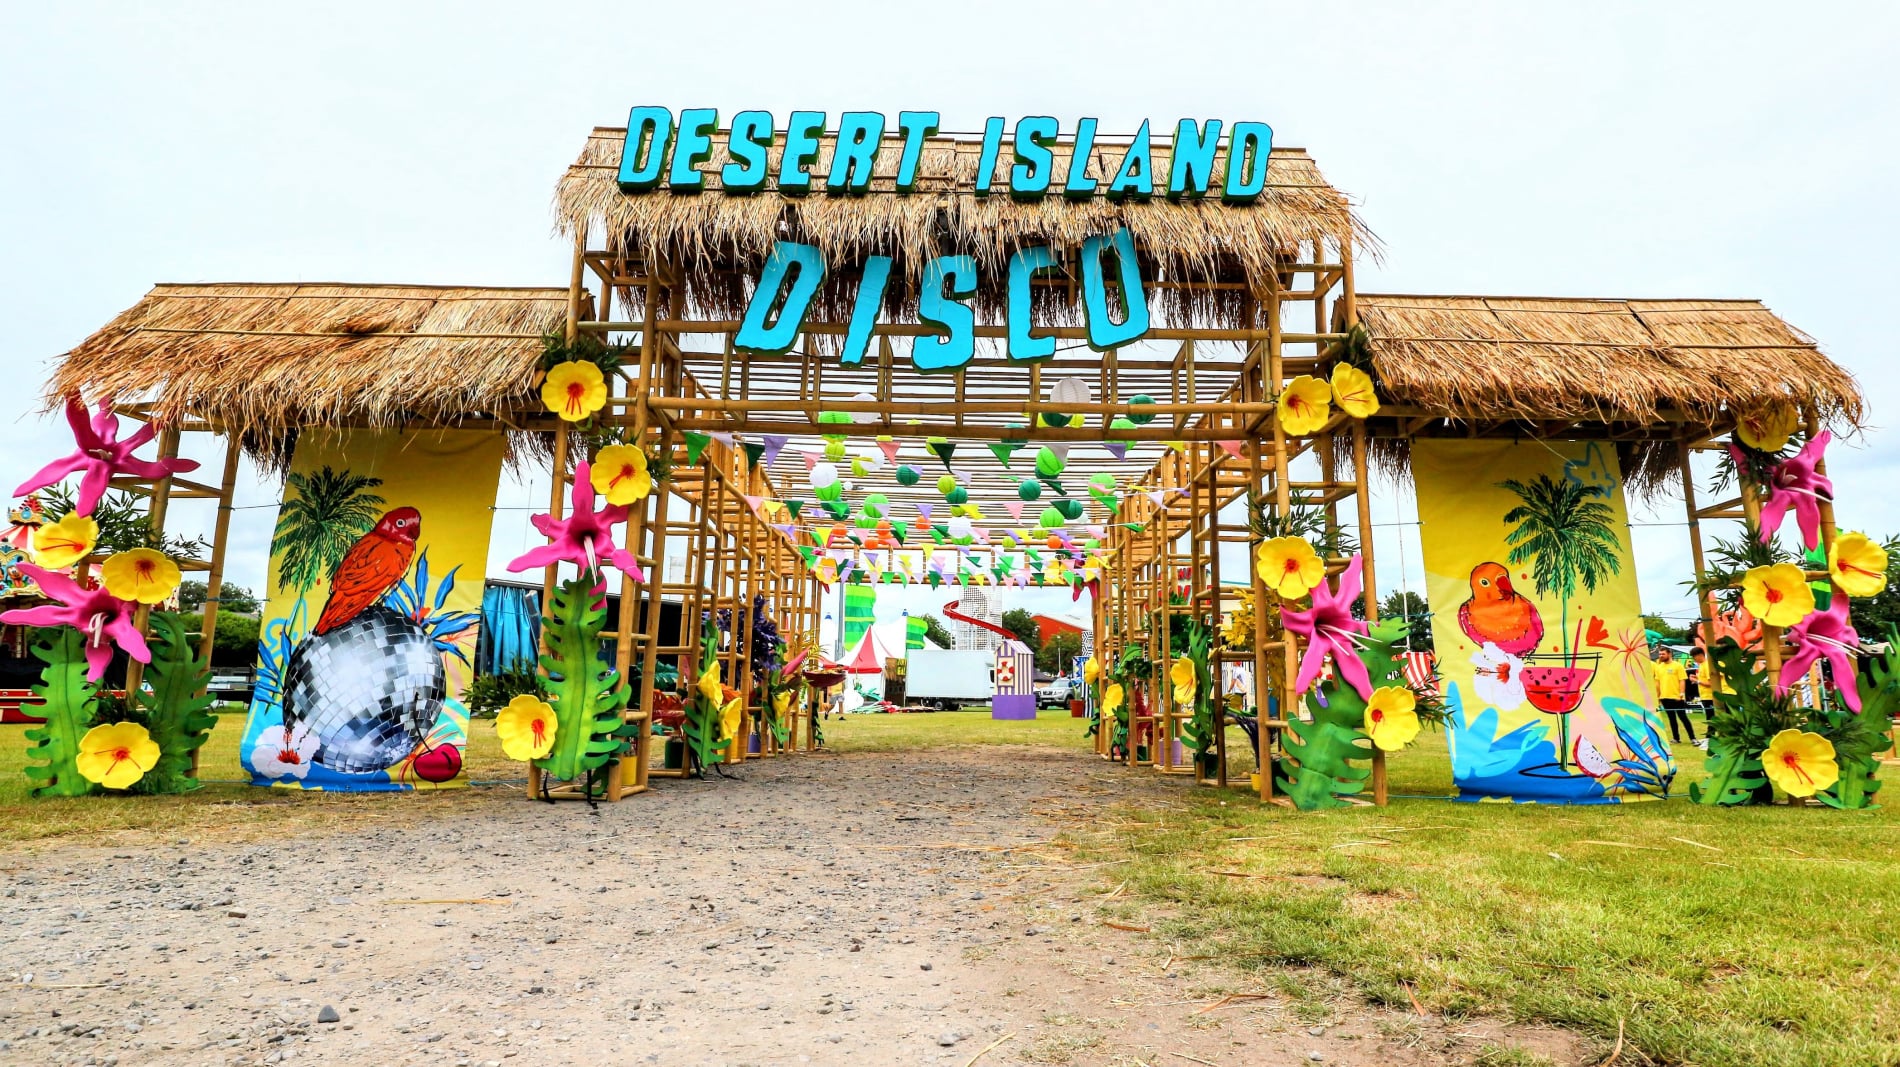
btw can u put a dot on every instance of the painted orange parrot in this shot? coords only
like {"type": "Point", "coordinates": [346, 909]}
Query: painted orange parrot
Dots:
{"type": "Point", "coordinates": [371, 568]}
{"type": "Point", "coordinates": [1498, 614]}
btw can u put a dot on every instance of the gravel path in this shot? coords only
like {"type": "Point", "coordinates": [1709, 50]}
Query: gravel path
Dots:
{"type": "Point", "coordinates": [821, 909]}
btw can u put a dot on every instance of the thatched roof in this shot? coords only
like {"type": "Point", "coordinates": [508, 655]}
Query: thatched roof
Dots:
{"type": "Point", "coordinates": [270, 358]}
{"type": "Point", "coordinates": [720, 241]}
{"type": "Point", "coordinates": [1642, 361]}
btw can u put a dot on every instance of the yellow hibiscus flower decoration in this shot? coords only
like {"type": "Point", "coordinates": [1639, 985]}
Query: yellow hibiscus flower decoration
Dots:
{"type": "Point", "coordinates": [117, 754]}
{"type": "Point", "coordinates": [1306, 405]}
{"type": "Point", "coordinates": [1112, 698]}
{"type": "Point", "coordinates": [1289, 566]}
{"type": "Point", "coordinates": [620, 474]}
{"type": "Point", "coordinates": [1181, 673]}
{"type": "Point", "coordinates": [1777, 595]}
{"type": "Point", "coordinates": [59, 545]}
{"type": "Point", "coordinates": [1092, 671]}
{"type": "Point", "coordinates": [1858, 564]}
{"type": "Point", "coordinates": [1801, 763]}
{"type": "Point", "coordinates": [782, 703]}
{"type": "Point", "coordinates": [729, 718]}
{"type": "Point", "coordinates": [1392, 717]}
{"type": "Point", "coordinates": [1767, 428]}
{"type": "Point", "coordinates": [1353, 391]}
{"type": "Point", "coordinates": [527, 728]}
{"type": "Point", "coordinates": [144, 575]}
{"type": "Point", "coordinates": [574, 390]}
{"type": "Point", "coordinates": [710, 688]}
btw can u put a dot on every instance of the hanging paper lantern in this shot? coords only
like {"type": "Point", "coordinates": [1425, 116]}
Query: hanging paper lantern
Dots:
{"type": "Point", "coordinates": [834, 450]}
{"type": "Point", "coordinates": [1103, 481]}
{"type": "Point", "coordinates": [1050, 519]}
{"type": "Point", "coordinates": [907, 475]}
{"type": "Point", "coordinates": [822, 475]}
{"type": "Point", "coordinates": [877, 505]}
{"type": "Point", "coordinates": [865, 522]}
{"type": "Point", "coordinates": [961, 529]}
{"type": "Point", "coordinates": [1070, 509]}
{"type": "Point", "coordinates": [864, 416]}
{"type": "Point", "coordinates": [946, 483]}
{"type": "Point", "coordinates": [829, 493]}
{"type": "Point", "coordinates": [1143, 419]}
{"type": "Point", "coordinates": [958, 495]}
{"type": "Point", "coordinates": [1048, 463]}
{"type": "Point", "coordinates": [1055, 541]}
{"type": "Point", "coordinates": [1029, 489]}
{"type": "Point", "coordinates": [1121, 422]}
{"type": "Point", "coordinates": [1067, 391]}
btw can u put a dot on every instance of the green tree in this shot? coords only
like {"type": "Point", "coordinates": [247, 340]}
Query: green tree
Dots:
{"type": "Point", "coordinates": [1669, 632]}
{"type": "Point", "coordinates": [1565, 531]}
{"type": "Point", "coordinates": [1056, 656]}
{"type": "Point", "coordinates": [1873, 615]}
{"type": "Point", "coordinates": [191, 597]}
{"type": "Point", "coordinates": [1023, 625]}
{"type": "Point", "coordinates": [1414, 610]}
{"type": "Point", "coordinates": [319, 523]}
{"type": "Point", "coordinates": [937, 633]}
{"type": "Point", "coordinates": [123, 524]}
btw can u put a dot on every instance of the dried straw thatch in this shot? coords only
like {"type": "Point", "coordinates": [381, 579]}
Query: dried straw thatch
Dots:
{"type": "Point", "coordinates": [718, 242]}
{"type": "Point", "coordinates": [268, 359]}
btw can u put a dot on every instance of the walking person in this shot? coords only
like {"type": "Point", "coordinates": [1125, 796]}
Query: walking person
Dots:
{"type": "Point", "coordinates": [1669, 677]}
{"type": "Point", "coordinates": [1692, 695]}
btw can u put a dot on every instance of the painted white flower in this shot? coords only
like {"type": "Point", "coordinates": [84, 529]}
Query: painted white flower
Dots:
{"type": "Point", "coordinates": [281, 753]}
{"type": "Point", "coordinates": [1497, 679]}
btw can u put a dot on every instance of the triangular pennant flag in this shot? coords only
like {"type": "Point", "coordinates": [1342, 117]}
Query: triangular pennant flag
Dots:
{"type": "Point", "coordinates": [943, 449]}
{"type": "Point", "coordinates": [811, 460]}
{"type": "Point", "coordinates": [1015, 508]}
{"type": "Point", "coordinates": [1118, 449]}
{"type": "Point", "coordinates": [1178, 446]}
{"type": "Point", "coordinates": [1232, 448]}
{"type": "Point", "coordinates": [755, 503]}
{"type": "Point", "coordinates": [1060, 448]}
{"type": "Point", "coordinates": [695, 444]}
{"type": "Point", "coordinates": [721, 436]}
{"type": "Point", "coordinates": [898, 532]}
{"type": "Point", "coordinates": [1004, 449]}
{"type": "Point", "coordinates": [794, 506]}
{"type": "Point", "coordinates": [752, 453]}
{"type": "Point", "coordinates": [924, 508]}
{"type": "Point", "coordinates": [774, 443]}
{"type": "Point", "coordinates": [786, 528]}
{"type": "Point", "coordinates": [890, 449]}
{"type": "Point", "coordinates": [809, 553]}
{"type": "Point", "coordinates": [773, 507]}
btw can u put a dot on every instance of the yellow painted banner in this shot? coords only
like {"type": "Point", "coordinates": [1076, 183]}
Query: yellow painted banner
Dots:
{"type": "Point", "coordinates": [369, 634]}
{"type": "Point", "coordinates": [1537, 622]}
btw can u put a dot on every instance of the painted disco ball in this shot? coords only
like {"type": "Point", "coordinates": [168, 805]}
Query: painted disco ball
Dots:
{"type": "Point", "coordinates": [369, 690]}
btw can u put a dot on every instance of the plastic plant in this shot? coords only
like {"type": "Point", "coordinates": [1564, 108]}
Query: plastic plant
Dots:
{"type": "Point", "coordinates": [1323, 753]}
{"type": "Point", "coordinates": [1200, 728]}
{"type": "Point", "coordinates": [176, 708]}
{"type": "Point", "coordinates": [68, 704]}
{"type": "Point", "coordinates": [1739, 730]}
{"type": "Point", "coordinates": [702, 706]}
{"type": "Point", "coordinates": [586, 694]}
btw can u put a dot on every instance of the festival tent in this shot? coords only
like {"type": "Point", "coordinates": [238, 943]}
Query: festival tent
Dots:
{"type": "Point", "coordinates": [869, 656]}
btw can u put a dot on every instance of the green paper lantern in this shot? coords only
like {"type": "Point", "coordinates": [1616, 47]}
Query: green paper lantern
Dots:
{"type": "Point", "coordinates": [876, 505]}
{"type": "Point", "coordinates": [907, 475]}
{"type": "Point", "coordinates": [834, 417]}
{"type": "Point", "coordinates": [1103, 481]}
{"type": "Point", "coordinates": [1141, 398]}
{"type": "Point", "coordinates": [958, 495]}
{"type": "Point", "coordinates": [1070, 509]}
{"type": "Point", "coordinates": [1121, 422]}
{"type": "Point", "coordinates": [834, 450]}
{"type": "Point", "coordinates": [947, 484]}
{"type": "Point", "coordinates": [1048, 464]}
{"type": "Point", "coordinates": [1054, 418]}
{"type": "Point", "coordinates": [1050, 519]}
{"type": "Point", "coordinates": [865, 522]}
{"type": "Point", "coordinates": [1029, 489]}
{"type": "Point", "coordinates": [829, 493]}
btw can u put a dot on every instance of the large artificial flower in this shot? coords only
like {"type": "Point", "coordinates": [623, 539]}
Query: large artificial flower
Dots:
{"type": "Point", "coordinates": [144, 575]}
{"type": "Point", "coordinates": [526, 727]}
{"type": "Point", "coordinates": [59, 545]}
{"type": "Point", "coordinates": [284, 752]}
{"type": "Point", "coordinates": [100, 456]}
{"type": "Point", "coordinates": [1498, 677]}
{"type": "Point", "coordinates": [729, 716]}
{"type": "Point", "coordinates": [620, 474]}
{"type": "Point", "coordinates": [585, 537]}
{"type": "Point", "coordinates": [574, 390]}
{"type": "Point", "coordinates": [1858, 564]}
{"type": "Point", "coordinates": [117, 754]}
{"type": "Point", "coordinates": [104, 619]}
{"type": "Point", "coordinates": [1777, 595]}
{"type": "Point", "coordinates": [1392, 717]}
{"type": "Point", "coordinates": [1767, 428]}
{"type": "Point", "coordinates": [1801, 763]}
{"type": "Point", "coordinates": [1181, 673]}
{"type": "Point", "coordinates": [1092, 670]}
{"type": "Point", "coordinates": [710, 688]}
{"type": "Point", "coordinates": [1329, 628]}
{"type": "Point", "coordinates": [1289, 566]}
{"type": "Point", "coordinates": [1353, 391]}
{"type": "Point", "coordinates": [1306, 405]}
{"type": "Point", "coordinates": [1793, 485]}
{"type": "Point", "coordinates": [1112, 698]}
{"type": "Point", "coordinates": [782, 702]}
{"type": "Point", "coordinates": [1825, 635]}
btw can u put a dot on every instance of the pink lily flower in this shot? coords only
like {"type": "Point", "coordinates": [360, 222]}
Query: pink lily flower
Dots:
{"type": "Point", "coordinates": [1824, 635]}
{"type": "Point", "coordinates": [103, 618]}
{"type": "Point", "coordinates": [1793, 484]}
{"type": "Point", "coordinates": [1329, 627]}
{"type": "Point", "coordinates": [585, 537]}
{"type": "Point", "coordinates": [101, 455]}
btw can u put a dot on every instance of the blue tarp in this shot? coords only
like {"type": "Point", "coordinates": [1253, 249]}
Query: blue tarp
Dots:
{"type": "Point", "coordinates": [511, 628]}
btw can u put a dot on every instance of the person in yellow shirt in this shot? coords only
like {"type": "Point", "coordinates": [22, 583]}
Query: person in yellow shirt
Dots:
{"type": "Point", "coordinates": [1669, 676]}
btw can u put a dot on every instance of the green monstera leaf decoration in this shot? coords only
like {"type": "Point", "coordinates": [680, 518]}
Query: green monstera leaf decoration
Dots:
{"type": "Point", "coordinates": [68, 704]}
{"type": "Point", "coordinates": [587, 695]}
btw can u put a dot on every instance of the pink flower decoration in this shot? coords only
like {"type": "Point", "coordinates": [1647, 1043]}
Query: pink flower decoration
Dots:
{"type": "Point", "coordinates": [1824, 635]}
{"type": "Point", "coordinates": [101, 455]}
{"type": "Point", "coordinates": [1330, 628]}
{"type": "Point", "coordinates": [1793, 484]}
{"type": "Point", "coordinates": [103, 618]}
{"type": "Point", "coordinates": [585, 537]}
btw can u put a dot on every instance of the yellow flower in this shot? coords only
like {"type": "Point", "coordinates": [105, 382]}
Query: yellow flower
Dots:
{"type": "Point", "coordinates": [782, 703]}
{"type": "Point", "coordinates": [1858, 564]}
{"type": "Point", "coordinates": [710, 688]}
{"type": "Point", "coordinates": [526, 727]}
{"type": "Point", "coordinates": [1353, 391]}
{"type": "Point", "coordinates": [1391, 717]}
{"type": "Point", "coordinates": [1092, 671]}
{"type": "Point", "coordinates": [1181, 673]}
{"type": "Point", "coordinates": [117, 754]}
{"type": "Point", "coordinates": [1767, 428]}
{"type": "Point", "coordinates": [729, 719]}
{"type": "Point", "coordinates": [59, 545]}
{"type": "Point", "coordinates": [574, 390]}
{"type": "Point", "coordinates": [620, 474]}
{"type": "Point", "coordinates": [1112, 698]}
{"type": "Point", "coordinates": [1801, 763]}
{"type": "Point", "coordinates": [1289, 566]}
{"type": "Point", "coordinates": [142, 574]}
{"type": "Point", "coordinates": [1777, 595]}
{"type": "Point", "coordinates": [1306, 405]}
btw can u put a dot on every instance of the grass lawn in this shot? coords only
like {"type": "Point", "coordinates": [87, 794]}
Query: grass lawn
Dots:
{"type": "Point", "coordinates": [1756, 937]}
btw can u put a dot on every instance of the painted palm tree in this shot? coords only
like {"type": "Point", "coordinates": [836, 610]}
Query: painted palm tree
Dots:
{"type": "Point", "coordinates": [329, 511]}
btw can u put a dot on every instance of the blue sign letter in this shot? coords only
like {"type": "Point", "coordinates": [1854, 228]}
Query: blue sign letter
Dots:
{"type": "Point", "coordinates": [1135, 178]}
{"type": "Point", "coordinates": [801, 148]}
{"type": "Point", "coordinates": [877, 274]}
{"type": "Point", "coordinates": [916, 125]}
{"type": "Point", "coordinates": [643, 153]}
{"type": "Point", "coordinates": [693, 147]}
{"type": "Point", "coordinates": [956, 349]}
{"type": "Point", "coordinates": [1079, 186]}
{"type": "Point", "coordinates": [1193, 167]}
{"type": "Point", "coordinates": [1029, 178]}
{"type": "Point", "coordinates": [854, 154]}
{"type": "Point", "coordinates": [1247, 150]}
{"type": "Point", "coordinates": [1022, 271]}
{"type": "Point", "coordinates": [1103, 333]}
{"type": "Point", "coordinates": [748, 143]}
{"type": "Point", "coordinates": [986, 160]}
{"type": "Point", "coordinates": [758, 335]}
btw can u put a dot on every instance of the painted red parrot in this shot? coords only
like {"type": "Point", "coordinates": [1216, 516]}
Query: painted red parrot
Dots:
{"type": "Point", "coordinates": [371, 568]}
{"type": "Point", "coordinates": [1498, 614]}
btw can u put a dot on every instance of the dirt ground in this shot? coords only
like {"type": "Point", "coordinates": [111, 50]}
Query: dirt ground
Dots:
{"type": "Point", "coordinates": [864, 909]}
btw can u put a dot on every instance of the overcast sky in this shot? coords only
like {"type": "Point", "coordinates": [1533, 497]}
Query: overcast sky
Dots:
{"type": "Point", "coordinates": [1605, 149]}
